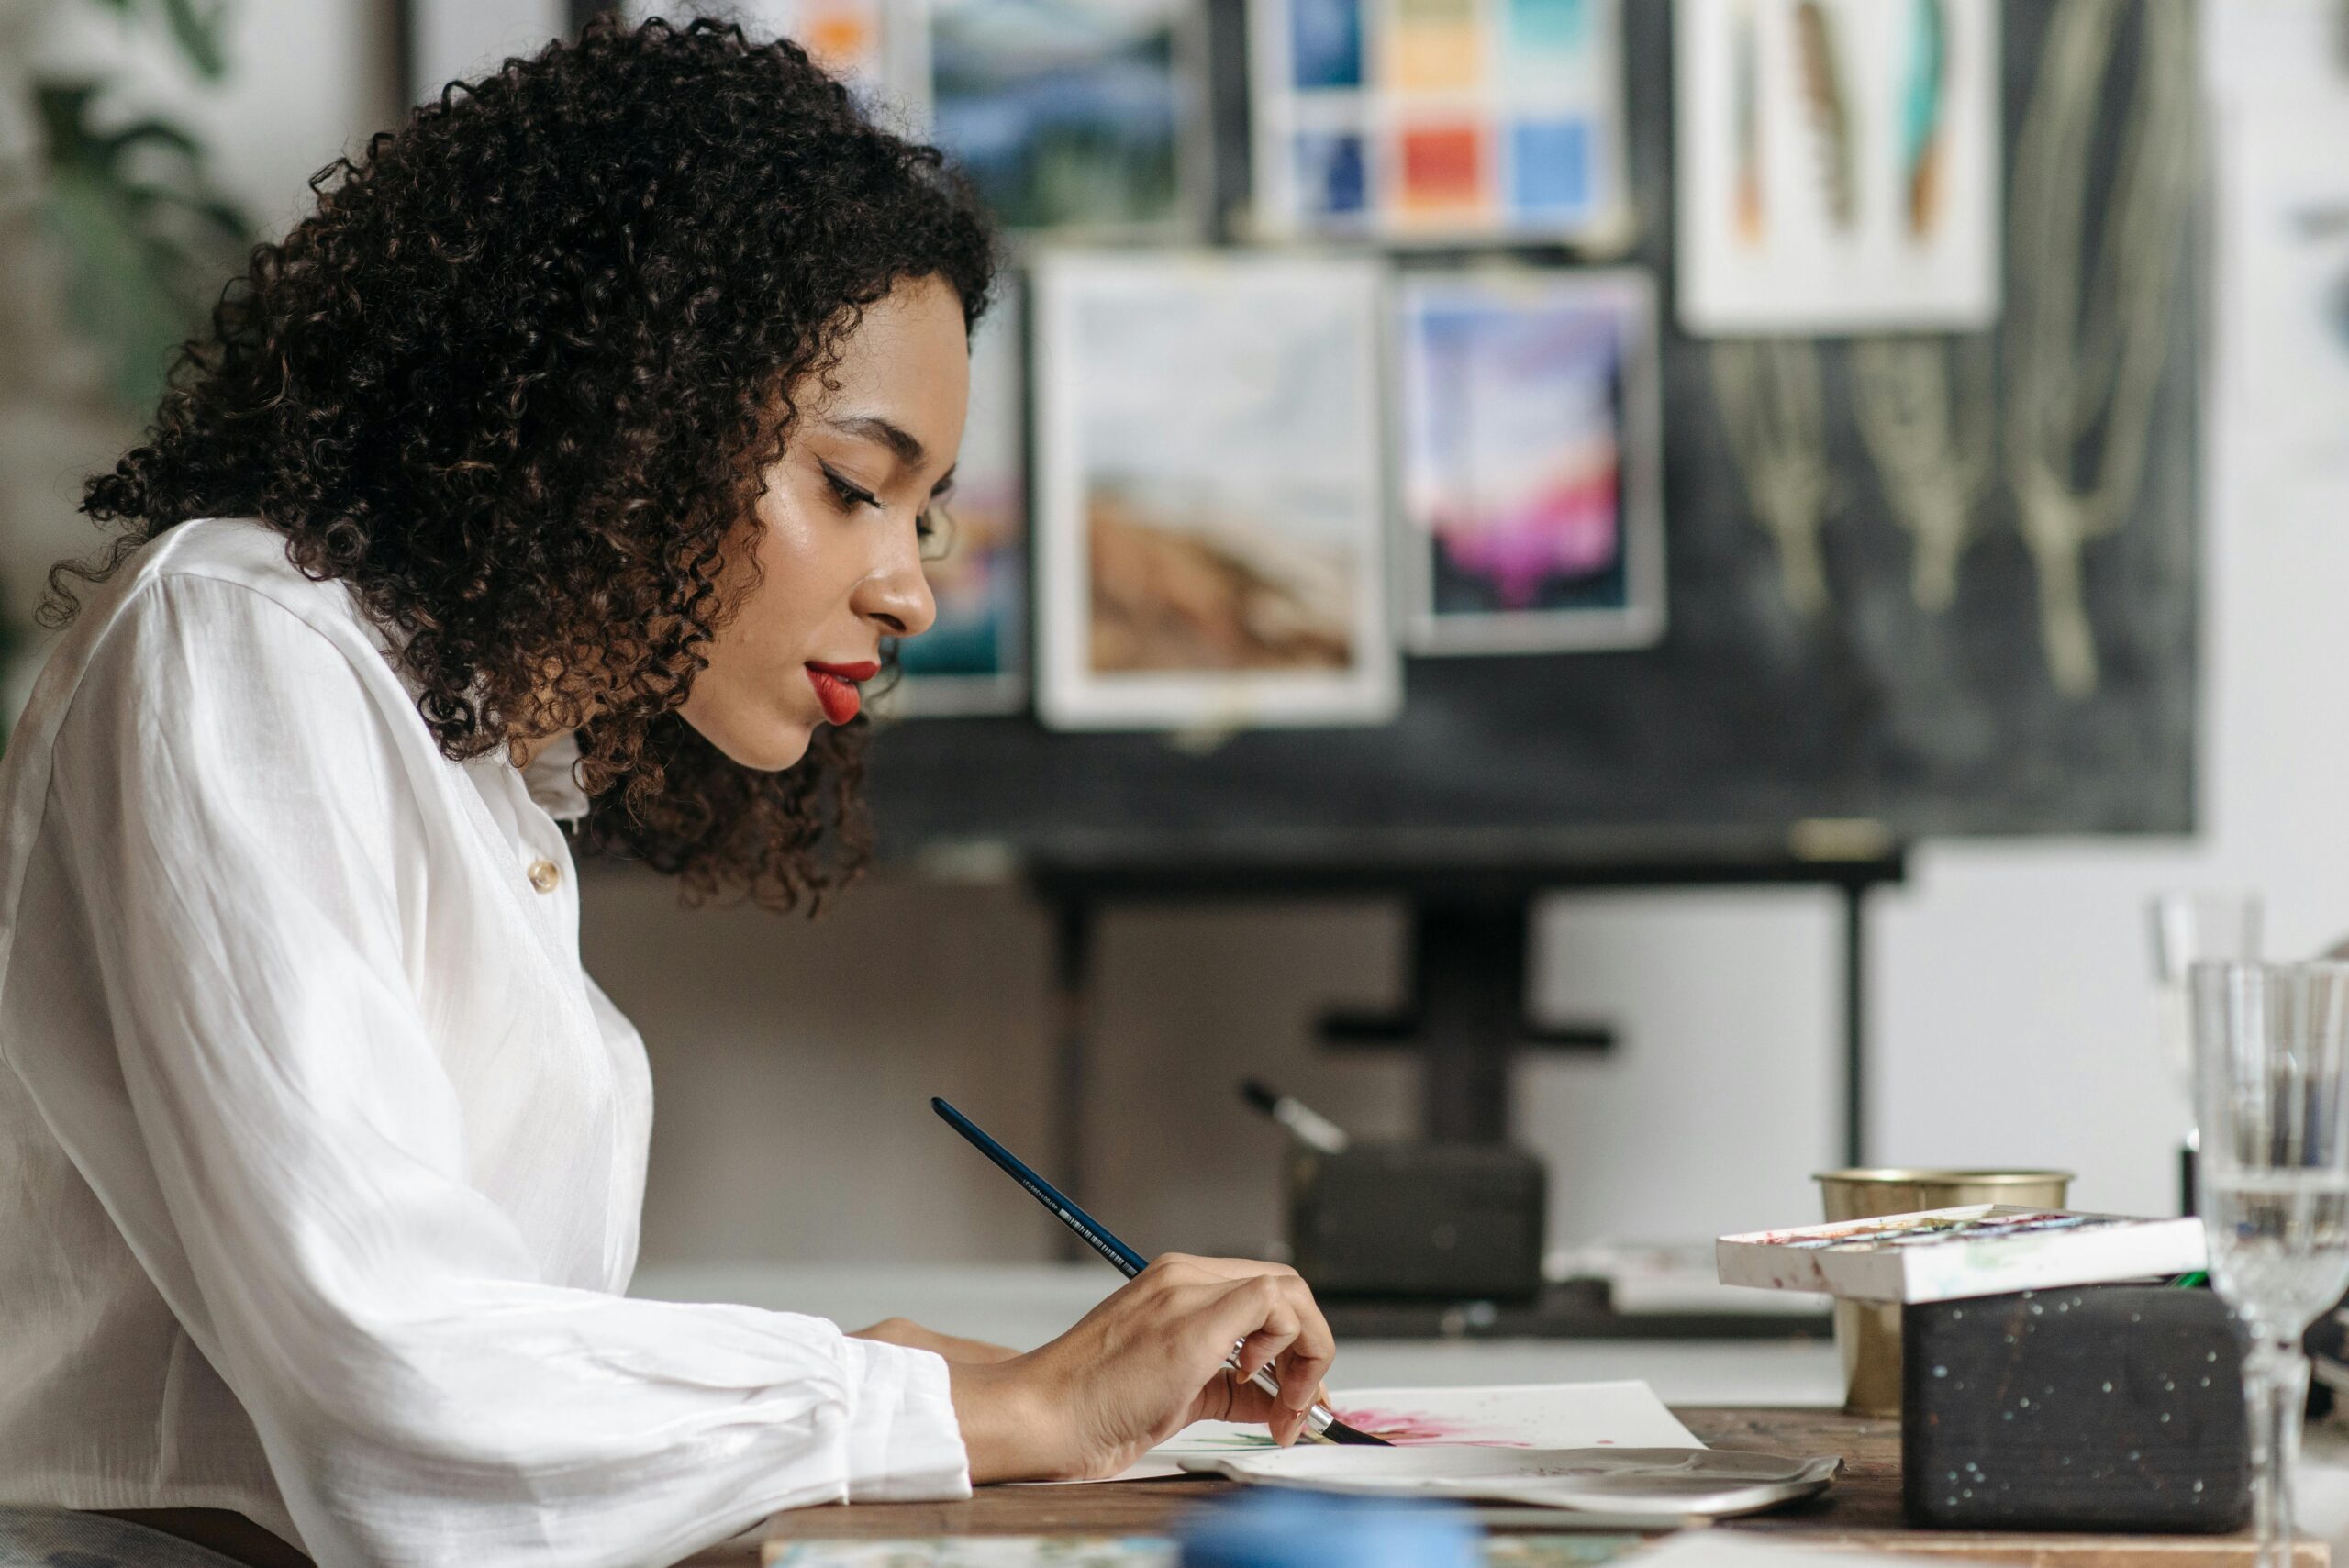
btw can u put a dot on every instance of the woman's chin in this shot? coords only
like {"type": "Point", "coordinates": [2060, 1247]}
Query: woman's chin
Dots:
{"type": "Point", "coordinates": [765, 749]}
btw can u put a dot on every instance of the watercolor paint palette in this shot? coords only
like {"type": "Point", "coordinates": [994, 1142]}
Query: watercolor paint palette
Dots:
{"type": "Point", "coordinates": [1947, 1255]}
{"type": "Point", "coordinates": [1439, 119]}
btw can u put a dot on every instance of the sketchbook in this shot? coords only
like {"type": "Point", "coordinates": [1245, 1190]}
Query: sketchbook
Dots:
{"type": "Point", "coordinates": [1947, 1255]}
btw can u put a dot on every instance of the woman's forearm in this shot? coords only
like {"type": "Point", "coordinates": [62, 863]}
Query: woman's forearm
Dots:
{"type": "Point", "coordinates": [913, 1336]}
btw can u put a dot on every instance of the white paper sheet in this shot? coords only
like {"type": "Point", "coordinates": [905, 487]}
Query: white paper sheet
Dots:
{"type": "Point", "coordinates": [1535, 1415]}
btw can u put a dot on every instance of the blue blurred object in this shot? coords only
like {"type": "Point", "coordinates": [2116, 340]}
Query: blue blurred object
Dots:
{"type": "Point", "coordinates": [1270, 1526]}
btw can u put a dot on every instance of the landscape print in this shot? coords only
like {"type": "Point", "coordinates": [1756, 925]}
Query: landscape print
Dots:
{"type": "Point", "coordinates": [1069, 114]}
{"type": "Point", "coordinates": [1213, 556]}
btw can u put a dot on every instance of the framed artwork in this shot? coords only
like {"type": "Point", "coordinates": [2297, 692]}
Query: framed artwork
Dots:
{"type": "Point", "coordinates": [1531, 516]}
{"type": "Point", "coordinates": [1838, 165]}
{"type": "Point", "coordinates": [1210, 519]}
{"type": "Point", "coordinates": [851, 38]}
{"type": "Point", "coordinates": [1439, 120]}
{"type": "Point", "coordinates": [975, 658]}
{"type": "Point", "coordinates": [1081, 117]}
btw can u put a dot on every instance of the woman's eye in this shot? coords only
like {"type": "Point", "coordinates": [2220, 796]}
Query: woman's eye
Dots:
{"type": "Point", "coordinates": [849, 495]}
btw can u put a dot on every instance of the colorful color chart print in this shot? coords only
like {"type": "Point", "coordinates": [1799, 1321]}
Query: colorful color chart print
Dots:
{"type": "Point", "coordinates": [1529, 447]}
{"type": "Point", "coordinates": [1439, 120]}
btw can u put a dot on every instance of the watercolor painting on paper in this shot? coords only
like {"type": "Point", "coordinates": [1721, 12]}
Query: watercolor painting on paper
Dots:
{"type": "Point", "coordinates": [1838, 165]}
{"type": "Point", "coordinates": [1075, 116]}
{"type": "Point", "coordinates": [1216, 561]}
{"type": "Point", "coordinates": [1531, 514]}
{"type": "Point", "coordinates": [1530, 1416]}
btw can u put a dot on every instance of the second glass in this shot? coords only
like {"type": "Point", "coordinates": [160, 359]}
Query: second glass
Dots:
{"type": "Point", "coordinates": [2271, 1045]}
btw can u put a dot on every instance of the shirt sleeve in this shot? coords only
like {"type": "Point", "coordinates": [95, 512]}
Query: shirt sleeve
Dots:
{"type": "Point", "coordinates": [241, 819]}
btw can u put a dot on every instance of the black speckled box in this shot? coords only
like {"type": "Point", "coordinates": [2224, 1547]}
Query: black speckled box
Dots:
{"type": "Point", "coordinates": [2109, 1407]}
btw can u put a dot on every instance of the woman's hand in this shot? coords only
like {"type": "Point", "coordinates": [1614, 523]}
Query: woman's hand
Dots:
{"type": "Point", "coordinates": [913, 1336]}
{"type": "Point", "coordinates": [1142, 1366]}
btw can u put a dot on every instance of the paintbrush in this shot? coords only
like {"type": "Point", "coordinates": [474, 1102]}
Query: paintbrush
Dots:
{"type": "Point", "coordinates": [1319, 1421]}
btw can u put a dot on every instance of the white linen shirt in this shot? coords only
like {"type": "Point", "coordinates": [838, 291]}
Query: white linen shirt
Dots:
{"type": "Point", "coordinates": [320, 1155]}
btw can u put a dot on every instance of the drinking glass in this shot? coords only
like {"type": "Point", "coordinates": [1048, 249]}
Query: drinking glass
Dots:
{"type": "Point", "coordinates": [2271, 1044]}
{"type": "Point", "coordinates": [2192, 926]}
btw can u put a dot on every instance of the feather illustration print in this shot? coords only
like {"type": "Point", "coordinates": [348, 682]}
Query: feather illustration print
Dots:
{"type": "Point", "coordinates": [1830, 102]}
{"type": "Point", "coordinates": [1745, 78]}
{"type": "Point", "coordinates": [1924, 114]}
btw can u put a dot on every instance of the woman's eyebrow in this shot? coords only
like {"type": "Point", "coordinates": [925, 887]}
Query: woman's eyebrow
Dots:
{"type": "Point", "coordinates": [902, 442]}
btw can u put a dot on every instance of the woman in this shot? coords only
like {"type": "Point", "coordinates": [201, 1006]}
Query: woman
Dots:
{"type": "Point", "coordinates": [573, 460]}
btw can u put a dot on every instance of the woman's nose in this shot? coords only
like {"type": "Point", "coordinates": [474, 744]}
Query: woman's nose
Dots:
{"type": "Point", "coordinates": [898, 600]}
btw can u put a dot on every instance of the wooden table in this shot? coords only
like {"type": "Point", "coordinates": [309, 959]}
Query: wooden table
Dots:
{"type": "Point", "coordinates": [1860, 1511]}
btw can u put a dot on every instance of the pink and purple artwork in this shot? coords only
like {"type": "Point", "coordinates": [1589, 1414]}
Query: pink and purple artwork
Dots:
{"type": "Point", "coordinates": [1530, 507]}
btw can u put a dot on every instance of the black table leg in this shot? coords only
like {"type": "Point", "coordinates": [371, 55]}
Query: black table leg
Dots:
{"type": "Point", "coordinates": [1072, 1043]}
{"type": "Point", "coordinates": [1855, 1022]}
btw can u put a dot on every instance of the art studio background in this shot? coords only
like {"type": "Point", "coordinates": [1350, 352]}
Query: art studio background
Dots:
{"type": "Point", "coordinates": [1742, 590]}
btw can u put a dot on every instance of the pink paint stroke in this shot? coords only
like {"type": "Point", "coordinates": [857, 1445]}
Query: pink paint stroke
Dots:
{"type": "Point", "coordinates": [1408, 1428]}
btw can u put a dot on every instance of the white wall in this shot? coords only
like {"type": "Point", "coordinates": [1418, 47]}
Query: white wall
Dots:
{"type": "Point", "coordinates": [2010, 1008]}
{"type": "Point", "coordinates": [308, 80]}
{"type": "Point", "coordinates": [455, 40]}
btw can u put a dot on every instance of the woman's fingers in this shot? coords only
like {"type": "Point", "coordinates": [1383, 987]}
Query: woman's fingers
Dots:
{"type": "Point", "coordinates": [1252, 1313]}
{"type": "Point", "coordinates": [1154, 1356]}
{"type": "Point", "coordinates": [1241, 1401]}
{"type": "Point", "coordinates": [1282, 1327]}
{"type": "Point", "coordinates": [1290, 1337]}
{"type": "Point", "coordinates": [1310, 1354]}
{"type": "Point", "coordinates": [1295, 1338]}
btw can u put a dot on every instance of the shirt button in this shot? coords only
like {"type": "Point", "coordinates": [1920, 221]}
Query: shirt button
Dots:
{"type": "Point", "coordinates": [544, 875]}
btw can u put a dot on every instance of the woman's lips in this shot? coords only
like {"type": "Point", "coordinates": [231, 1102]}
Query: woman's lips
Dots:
{"type": "Point", "coordinates": [836, 688]}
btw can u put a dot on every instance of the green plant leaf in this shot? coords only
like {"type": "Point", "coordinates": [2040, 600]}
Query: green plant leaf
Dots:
{"type": "Point", "coordinates": [196, 29]}
{"type": "Point", "coordinates": [199, 29]}
{"type": "Point", "coordinates": [147, 239]}
{"type": "Point", "coordinates": [149, 133]}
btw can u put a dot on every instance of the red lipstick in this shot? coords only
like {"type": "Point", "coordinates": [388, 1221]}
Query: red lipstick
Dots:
{"type": "Point", "coordinates": [836, 688]}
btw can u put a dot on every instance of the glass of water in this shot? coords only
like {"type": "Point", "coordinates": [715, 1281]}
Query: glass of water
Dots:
{"type": "Point", "coordinates": [2271, 1045]}
{"type": "Point", "coordinates": [2191, 927]}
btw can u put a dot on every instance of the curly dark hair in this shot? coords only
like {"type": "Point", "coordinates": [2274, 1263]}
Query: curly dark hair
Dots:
{"type": "Point", "coordinates": [515, 381]}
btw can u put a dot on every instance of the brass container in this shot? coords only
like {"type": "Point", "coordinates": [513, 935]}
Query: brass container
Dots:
{"type": "Point", "coordinates": [1867, 1332]}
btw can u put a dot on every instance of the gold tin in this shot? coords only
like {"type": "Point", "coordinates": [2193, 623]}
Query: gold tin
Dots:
{"type": "Point", "coordinates": [1867, 1332]}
